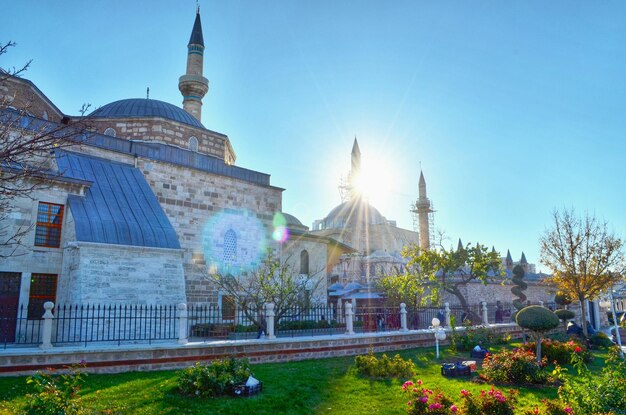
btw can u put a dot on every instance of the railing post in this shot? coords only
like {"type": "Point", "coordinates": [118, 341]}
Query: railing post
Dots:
{"type": "Point", "coordinates": [182, 323]}
{"type": "Point", "coordinates": [349, 315]}
{"type": "Point", "coordinates": [541, 303]}
{"type": "Point", "coordinates": [485, 314]}
{"type": "Point", "coordinates": [447, 311]}
{"type": "Point", "coordinates": [46, 333]}
{"type": "Point", "coordinates": [269, 320]}
{"type": "Point", "coordinates": [403, 326]}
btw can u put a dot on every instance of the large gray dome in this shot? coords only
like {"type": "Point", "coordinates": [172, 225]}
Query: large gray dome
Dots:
{"type": "Point", "coordinates": [142, 107]}
{"type": "Point", "coordinates": [348, 214]}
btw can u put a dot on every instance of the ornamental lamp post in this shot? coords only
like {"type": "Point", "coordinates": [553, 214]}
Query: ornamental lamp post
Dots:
{"type": "Point", "coordinates": [439, 334]}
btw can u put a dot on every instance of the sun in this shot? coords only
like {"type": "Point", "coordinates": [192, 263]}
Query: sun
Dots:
{"type": "Point", "coordinates": [373, 183]}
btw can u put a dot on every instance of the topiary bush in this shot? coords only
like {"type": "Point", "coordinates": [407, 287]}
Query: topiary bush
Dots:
{"type": "Point", "coordinates": [370, 366]}
{"type": "Point", "coordinates": [565, 315]}
{"type": "Point", "coordinates": [537, 319]}
{"type": "Point", "coordinates": [216, 379]}
{"type": "Point", "coordinates": [520, 286]}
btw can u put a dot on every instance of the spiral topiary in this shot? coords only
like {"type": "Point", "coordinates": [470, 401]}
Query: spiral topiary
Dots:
{"type": "Point", "coordinates": [520, 286]}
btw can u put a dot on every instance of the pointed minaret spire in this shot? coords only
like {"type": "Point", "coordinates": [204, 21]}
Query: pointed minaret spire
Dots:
{"type": "Point", "coordinates": [422, 185]}
{"type": "Point", "coordinates": [523, 260]}
{"type": "Point", "coordinates": [508, 262]}
{"type": "Point", "coordinates": [422, 207]}
{"type": "Point", "coordinates": [193, 85]}
{"type": "Point", "coordinates": [459, 246]}
{"type": "Point", "coordinates": [356, 158]}
{"type": "Point", "coordinates": [493, 249]}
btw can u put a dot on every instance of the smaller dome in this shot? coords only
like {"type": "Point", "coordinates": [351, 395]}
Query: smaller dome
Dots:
{"type": "Point", "coordinates": [354, 286]}
{"type": "Point", "coordinates": [335, 287]}
{"type": "Point", "coordinates": [143, 107]}
{"type": "Point", "coordinates": [293, 222]}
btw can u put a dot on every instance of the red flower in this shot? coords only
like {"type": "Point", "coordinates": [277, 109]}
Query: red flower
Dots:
{"type": "Point", "coordinates": [577, 349]}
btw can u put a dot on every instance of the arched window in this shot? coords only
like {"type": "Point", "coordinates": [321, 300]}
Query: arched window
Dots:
{"type": "Point", "coordinates": [304, 262]}
{"type": "Point", "coordinates": [230, 247]}
{"type": "Point", "coordinates": [193, 143]}
{"type": "Point", "coordinates": [110, 132]}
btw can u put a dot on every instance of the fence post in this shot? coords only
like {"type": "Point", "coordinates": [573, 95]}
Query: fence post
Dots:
{"type": "Point", "coordinates": [46, 333]}
{"type": "Point", "coordinates": [269, 320]}
{"type": "Point", "coordinates": [447, 311]}
{"type": "Point", "coordinates": [182, 323]}
{"type": "Point", "coordinates": [403, 326]}
{"type": "Point", "coordinates": [349, 315]}
{"type": "Point", "coordinates": [541, 303]}
{"type": "Point", "coordinates": [485, 314]}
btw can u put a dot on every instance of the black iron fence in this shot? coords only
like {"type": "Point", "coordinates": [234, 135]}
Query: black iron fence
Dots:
{"type": "Point", "coordinates": [85, 324]}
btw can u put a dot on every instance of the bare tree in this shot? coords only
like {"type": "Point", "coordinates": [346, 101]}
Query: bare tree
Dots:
{"type": "Point", "coordinates": [586, 259]}
{"type": "Point", "coordinates": [274, 281]}
{"type": "Point", "coordinates": [27, 146]}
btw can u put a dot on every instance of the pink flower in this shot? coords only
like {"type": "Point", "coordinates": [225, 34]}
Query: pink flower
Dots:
{"type": "Point", "coordinates": [407, 384]}
{"type": "Point", "coordinates": [568, 409]}
{"type": "Point", "coordinates": [453, 408]}
{"type": "Point", "coordinates": [464, 392]}
{"type": "Point", "coordinates": [409, 403]}
{"type": "Point", "coordinates": [419, 382]}
{"type": "Point", "coordinates": [424, 399]}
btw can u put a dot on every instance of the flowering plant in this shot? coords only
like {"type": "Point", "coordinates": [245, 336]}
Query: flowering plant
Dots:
{"type": "Point", "coordinates": [426, 401]}
{"type": "Point", "coordinates": [550, 408]}
{"type": "Point", "coordinates": [560, 352]}
{"type": "Point", "coordinates": [516, 366]}
{"type": "Point", "coordinates": [491, 402]}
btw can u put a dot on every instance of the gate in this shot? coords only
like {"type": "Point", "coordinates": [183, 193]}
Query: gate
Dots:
{"type": "Point", "coordinates": [9, 299]}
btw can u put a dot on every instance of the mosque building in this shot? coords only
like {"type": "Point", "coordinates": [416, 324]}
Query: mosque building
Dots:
{"type": "Point", "coordinates": [144, 205]}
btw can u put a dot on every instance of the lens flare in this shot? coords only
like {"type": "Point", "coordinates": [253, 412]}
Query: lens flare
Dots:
{"type": "Point", "coordinates": [280, 234]}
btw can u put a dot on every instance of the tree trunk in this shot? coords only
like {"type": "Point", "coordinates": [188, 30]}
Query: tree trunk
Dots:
{"type": "Point", "coordinates": [463, 302]}
{"type": "Point", "coordinates": [583, 317]}
{"type": "Point", "coordinates": [538, 354]}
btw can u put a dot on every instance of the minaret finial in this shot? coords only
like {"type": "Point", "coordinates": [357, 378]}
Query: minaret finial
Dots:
{"type": "Point", "coordinates": [148, 93]}
{"type": "Point", "coordinates": [192, 85]}
{"type": "Point", "coordinates": [197, 6]}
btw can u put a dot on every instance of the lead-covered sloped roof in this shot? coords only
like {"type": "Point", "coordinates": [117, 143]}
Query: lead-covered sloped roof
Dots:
{"type": "Point", "coordinates": [119, 207]}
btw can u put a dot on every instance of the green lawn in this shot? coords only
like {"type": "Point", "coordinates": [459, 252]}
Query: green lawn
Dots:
{"type": "Point", "coordinates": [324, 386]}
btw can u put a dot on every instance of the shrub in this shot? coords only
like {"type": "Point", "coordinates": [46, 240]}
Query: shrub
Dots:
{"type": "Point", "coordinates": [601, 340]}
{"type": "Point", "coordinates": [565, 315]}
{"type": "Point", "coordinates": [597, 394]}
{"type": "Point", "coordinates": [425, 401]}
{"type": "Point", "coordinates": [560, 352]}
{"type": "Point", "coordinates": [491, 402]}
{"type": "Point", "coordinates": [517, 366]}
{"type": "Point", "coordinates": [369, 365]}
{"type": "Point", "coordinates": [215, 379]}
{"type": "Point", "coordinates": [55, 394]}
{"type": "Point", "coordinates": [472, 336]}
{"type": "Point", "coordinates": [550, 408]}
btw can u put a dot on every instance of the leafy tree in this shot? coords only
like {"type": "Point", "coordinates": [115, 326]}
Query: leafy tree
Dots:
{"type": "Point", "coordinates": [274, 281]}
{"type": "Point", "coordinates": [585, 258]}
{"type": "Point", "coordinates": [446, 271]}
{"type": "Point", "coordinates": [401, 288]}
{"type": "Point", "coordinates": [27, 148]}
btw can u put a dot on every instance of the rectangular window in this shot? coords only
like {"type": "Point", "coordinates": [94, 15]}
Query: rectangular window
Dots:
{"type": "Point", "coordinates": [49, 222]}
{"type": "Point", "coordinates": [228, 307]}
{"type": "Point", "coordinates": [43, 287]}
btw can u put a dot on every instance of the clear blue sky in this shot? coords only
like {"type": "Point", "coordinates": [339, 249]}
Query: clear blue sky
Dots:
{"type": "Point", "coordinates": [513, 108]}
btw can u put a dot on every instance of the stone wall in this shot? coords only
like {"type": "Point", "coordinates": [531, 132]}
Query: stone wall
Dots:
{"type": "Point", "coordinates": [114, 359]}
{"type": "Point", "coordinates": [22, 95]}
{"type": "Point", "coordinates": [112, 274]}
{"type": "Point", "coordinates": [168, 132]}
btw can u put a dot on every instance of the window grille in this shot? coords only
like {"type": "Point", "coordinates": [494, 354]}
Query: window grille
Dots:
{"type": "Point", "coordinates": [304, 262]}
{"type": "Point", "coordinates": [230, 247]}
{"type": "Point", "coordinates": [43, 287]}
{"type": "Point", "coordinates": [49, 224]}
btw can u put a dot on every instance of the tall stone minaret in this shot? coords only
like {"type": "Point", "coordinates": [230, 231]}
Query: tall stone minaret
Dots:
{"type": "Point", "coordinates": [355, 167]}
{"type": "Point", "coordinates": [193, 85]}
{"type": "Point", "coordinates": [423, 211]}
